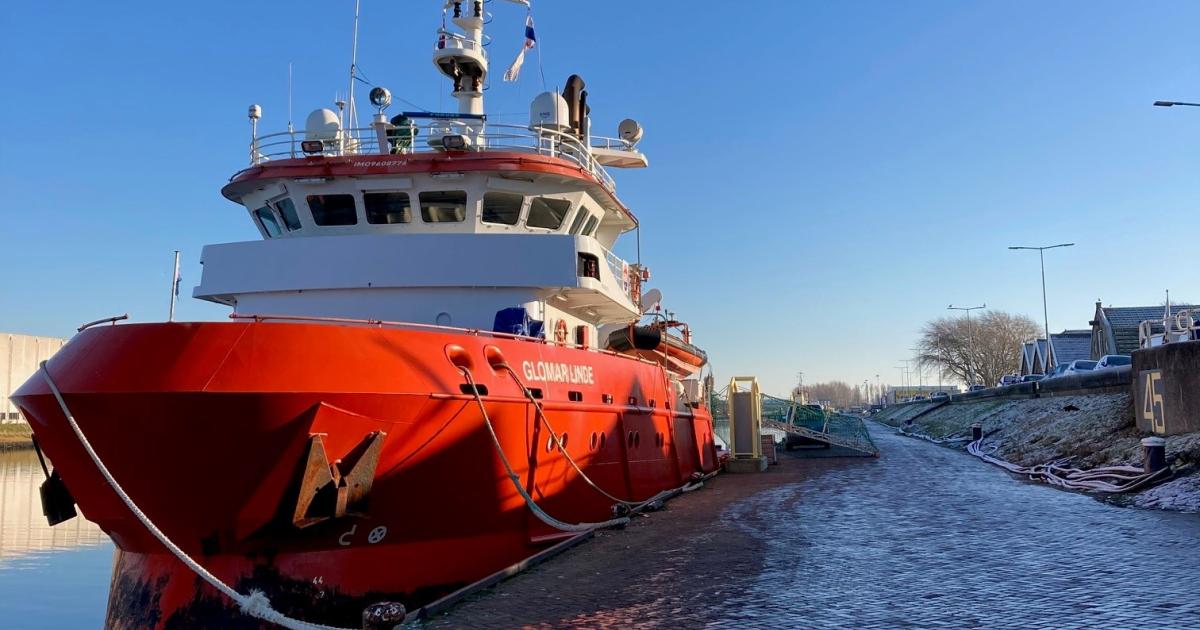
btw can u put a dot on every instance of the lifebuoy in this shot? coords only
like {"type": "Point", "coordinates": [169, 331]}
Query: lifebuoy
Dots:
{"type": "Point", "coordinates": [560, 331]}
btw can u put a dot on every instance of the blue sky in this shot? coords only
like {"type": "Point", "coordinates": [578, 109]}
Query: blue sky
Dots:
{"type": "Point", "coordinates": [825, 177]}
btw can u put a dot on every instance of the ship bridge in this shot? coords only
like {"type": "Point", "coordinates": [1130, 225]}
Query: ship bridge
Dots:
{"type": "Point", "coordinates": [437, 217]}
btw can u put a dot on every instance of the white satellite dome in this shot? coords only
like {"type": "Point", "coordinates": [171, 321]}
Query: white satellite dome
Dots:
{"type": "Point", "coordinates": [323, 125]}
{"type": "Point", "coordinates": [549, 111]}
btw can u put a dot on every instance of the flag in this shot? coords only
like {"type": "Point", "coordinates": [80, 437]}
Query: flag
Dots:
{"type": "Point", "coordinates": [514, 70]}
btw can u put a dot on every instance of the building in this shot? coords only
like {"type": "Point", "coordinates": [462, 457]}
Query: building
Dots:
{"type": "Point", "coordinates": [20, 356]}
{"type": "Point", "coordinates": [1115, 328]}
{"type": "Point", "coordinates": [1068, 346]}
{"type": "Point", "coordinates": [1032, 357]}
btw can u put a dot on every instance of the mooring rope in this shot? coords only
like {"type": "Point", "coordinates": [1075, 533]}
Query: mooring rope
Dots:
{"type": "Point", "coordinates": [1109, 479]}
{"type": "Point", "coordinates": [632, 505]}
{"type": "Point", "coordinates": [256, 604]}
{"type": "Point", "coordinates": [516, 479]}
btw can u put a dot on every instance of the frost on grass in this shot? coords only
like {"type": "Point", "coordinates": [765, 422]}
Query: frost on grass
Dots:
{"type": "Point", "coordinates": [1091, 430]}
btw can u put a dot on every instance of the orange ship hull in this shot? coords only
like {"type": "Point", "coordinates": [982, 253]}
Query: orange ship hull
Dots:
{"type": "Point", "coordinates": [210, 429]}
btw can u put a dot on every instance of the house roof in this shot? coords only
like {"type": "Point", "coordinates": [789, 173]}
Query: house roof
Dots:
{"type": "Point", "coordinates": [1070, 345]}
{"type": "Point", "coordinates": [1124, 321]}
{"type": "Point", "coordinates": [1131, 316]}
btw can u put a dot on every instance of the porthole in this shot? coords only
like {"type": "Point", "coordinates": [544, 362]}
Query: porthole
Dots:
{"type": "Point", "coordinates": [564, 441]}
{"type": "Point", "coordinates": [630, 439]}
{"type": "Point", "coordinates": [603, 439]}
{"type": "Point", "coordinates": [593, 441]}
{"type": "Point", "coordinates": [637, 439]}
{"type": "Point", "coordinates": [549, 444]}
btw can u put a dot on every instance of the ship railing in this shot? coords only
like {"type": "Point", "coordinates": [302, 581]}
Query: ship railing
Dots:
{"type": "Point", "coordinates": [381, 323]}
{"type": "Point", "coordinates": [431, 137]}
{"type": "Point", "coordinates": [449, 40]}
{"type": "Point", "coordinates": [619, 269]}
{"type": "Point", "coordinates": [605, 142]}
{"type": "Point", "coordinates": [1182, 326]}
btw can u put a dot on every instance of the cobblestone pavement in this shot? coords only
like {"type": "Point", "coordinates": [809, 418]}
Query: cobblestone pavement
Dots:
{"type": "Point", "coordinates": [922, 537]}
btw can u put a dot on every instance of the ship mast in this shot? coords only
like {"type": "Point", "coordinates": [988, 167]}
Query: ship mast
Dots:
{"type": "Point", "coordinates": [461, 58]}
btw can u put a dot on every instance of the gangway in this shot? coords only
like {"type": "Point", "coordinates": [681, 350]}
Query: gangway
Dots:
{"type": "Point", "coordinates": [789, 417]}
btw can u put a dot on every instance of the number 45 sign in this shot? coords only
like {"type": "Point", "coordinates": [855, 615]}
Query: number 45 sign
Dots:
{"type": "Point", "coordinates": [1150, 388]}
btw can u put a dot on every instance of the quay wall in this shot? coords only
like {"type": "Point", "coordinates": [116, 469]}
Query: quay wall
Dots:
{"type": "Point", "coordinates": [1167, 388]}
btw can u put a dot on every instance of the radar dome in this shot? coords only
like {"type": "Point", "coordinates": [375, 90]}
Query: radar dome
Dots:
{"type": "Point", "coordinates": [322, 124]}
{"type": "Point", "coordinates": [549, 111]}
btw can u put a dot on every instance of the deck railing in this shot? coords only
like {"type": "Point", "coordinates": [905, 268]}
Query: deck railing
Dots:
{"type": "Point", "coordinates": [1181, 326]}
{"type": "Point", "coordinates": [434, 136]}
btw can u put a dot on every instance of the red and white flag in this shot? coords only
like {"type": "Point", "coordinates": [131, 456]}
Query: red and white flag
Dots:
{"type": "Point", "coordinates": [514, 70]}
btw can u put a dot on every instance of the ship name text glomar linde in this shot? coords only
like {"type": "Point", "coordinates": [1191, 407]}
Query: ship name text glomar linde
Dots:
{"type": "Point", "coordinates": [558, 372]}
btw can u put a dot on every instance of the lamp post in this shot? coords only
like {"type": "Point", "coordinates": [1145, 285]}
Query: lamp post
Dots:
{"type": "Point", "coordinates": [970, 339]}
{"type": "Point", "coordinates": [1042, 258]}
{"type": "Point", "coordinates": [878, 391]}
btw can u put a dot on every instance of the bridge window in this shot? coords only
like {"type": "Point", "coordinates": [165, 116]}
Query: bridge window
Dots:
{"type": "Point", "coordinates": [266, 218]}
{"type": "Point", "coordinates": [287, 210]}
{"type": "Point", "coordinates": [501, 207]}
{"type": "Point", "coordinates": [591, 226]}
{"type": "Point", "coordinates": [333, 209]}
{"type": "Point", "coordinates": [387, 207]}
{"type": "Point", "coordinates": [547, 213]}
{"type": "Point", "coordinates": [580, 217]}
{"type": "Point", "coordinates": [443, 206]}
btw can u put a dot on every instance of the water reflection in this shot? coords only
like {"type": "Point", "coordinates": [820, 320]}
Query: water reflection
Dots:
{"type": "Point", "coordinates": [23, 529]}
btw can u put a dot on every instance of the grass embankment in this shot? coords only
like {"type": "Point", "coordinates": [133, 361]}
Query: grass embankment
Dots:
{"type": "Point", "coordinates": [1090, 430]}
{"type": "Point", "coordinates": [16, 435]}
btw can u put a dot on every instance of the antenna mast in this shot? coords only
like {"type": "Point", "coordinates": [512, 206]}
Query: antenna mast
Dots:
{"type": "Point", "coordinates": [290, 128]}
{"type": "Point", "coordinates": [353, 70]}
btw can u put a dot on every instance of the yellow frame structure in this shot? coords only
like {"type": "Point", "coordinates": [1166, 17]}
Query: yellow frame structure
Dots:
{"type": "Point", "coordinates": [755, 447]}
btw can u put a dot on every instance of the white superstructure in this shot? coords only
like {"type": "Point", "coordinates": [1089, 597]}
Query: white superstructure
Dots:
{"type": "Point", "coordinates": [437, 218]}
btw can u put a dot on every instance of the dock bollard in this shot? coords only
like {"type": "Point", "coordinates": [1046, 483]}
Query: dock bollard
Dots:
{"type": "Point", "coordinates": [383, 616]}
{"type": "Point", "coordinates": [1154, 454]}
{"type": "Point", "coordinates": [976, 432]}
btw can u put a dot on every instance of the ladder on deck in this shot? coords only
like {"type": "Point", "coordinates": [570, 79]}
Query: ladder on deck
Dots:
{"type": "Point", "coordinates": [833, 440]}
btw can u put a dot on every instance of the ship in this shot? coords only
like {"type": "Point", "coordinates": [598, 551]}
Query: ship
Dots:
{"type": "Point", "coordinates": [434, 367]}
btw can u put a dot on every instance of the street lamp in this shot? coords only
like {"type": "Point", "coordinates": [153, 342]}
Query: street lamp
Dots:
{"type": "Point", "coordinates": [1042, 257]}
{"type": "Point", "coordinates": [970, 339]}
{"type": "Point", "coordinates": [1174, 103]}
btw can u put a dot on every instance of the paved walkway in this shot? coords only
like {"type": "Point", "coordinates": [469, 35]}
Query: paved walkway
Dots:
{"type": "Point", "coordinates": [922, 537]}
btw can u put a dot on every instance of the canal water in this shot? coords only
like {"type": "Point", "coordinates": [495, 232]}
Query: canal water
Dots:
{"type": "Point", "coordinates": [50, 577]}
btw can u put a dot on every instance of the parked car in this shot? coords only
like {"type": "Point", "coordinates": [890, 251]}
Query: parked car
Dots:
{"type": "Point", "coordinates": [940, 395]}
{"type": "Point", "coordinates": [1032, 378]}
{"type": "Point", "coordinates": [1009, 379]}
{"type": "Point", "coordinates": [1113, 361]}
{"type": "Point", "coordinates": [976, 388]}
{"type": "Point", "coordinates": [1074, 367]}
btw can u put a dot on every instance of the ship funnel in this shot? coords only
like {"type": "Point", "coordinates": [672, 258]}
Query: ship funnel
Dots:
{"type": "Point", "coordinates": [573, 94]}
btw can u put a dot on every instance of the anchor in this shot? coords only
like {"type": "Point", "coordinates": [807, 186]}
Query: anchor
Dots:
{"type": "Point", "coordinates": [335, 490]}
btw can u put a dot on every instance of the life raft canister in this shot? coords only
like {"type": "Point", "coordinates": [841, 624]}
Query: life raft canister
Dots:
{"type": "Point", "coordinates": [560, 331]}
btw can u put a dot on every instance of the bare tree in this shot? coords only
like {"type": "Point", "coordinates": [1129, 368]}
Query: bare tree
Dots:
{"type": "Point", "coordinates": [837, 393]}
{"type": "Point", "coordinates": [981, 352]}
